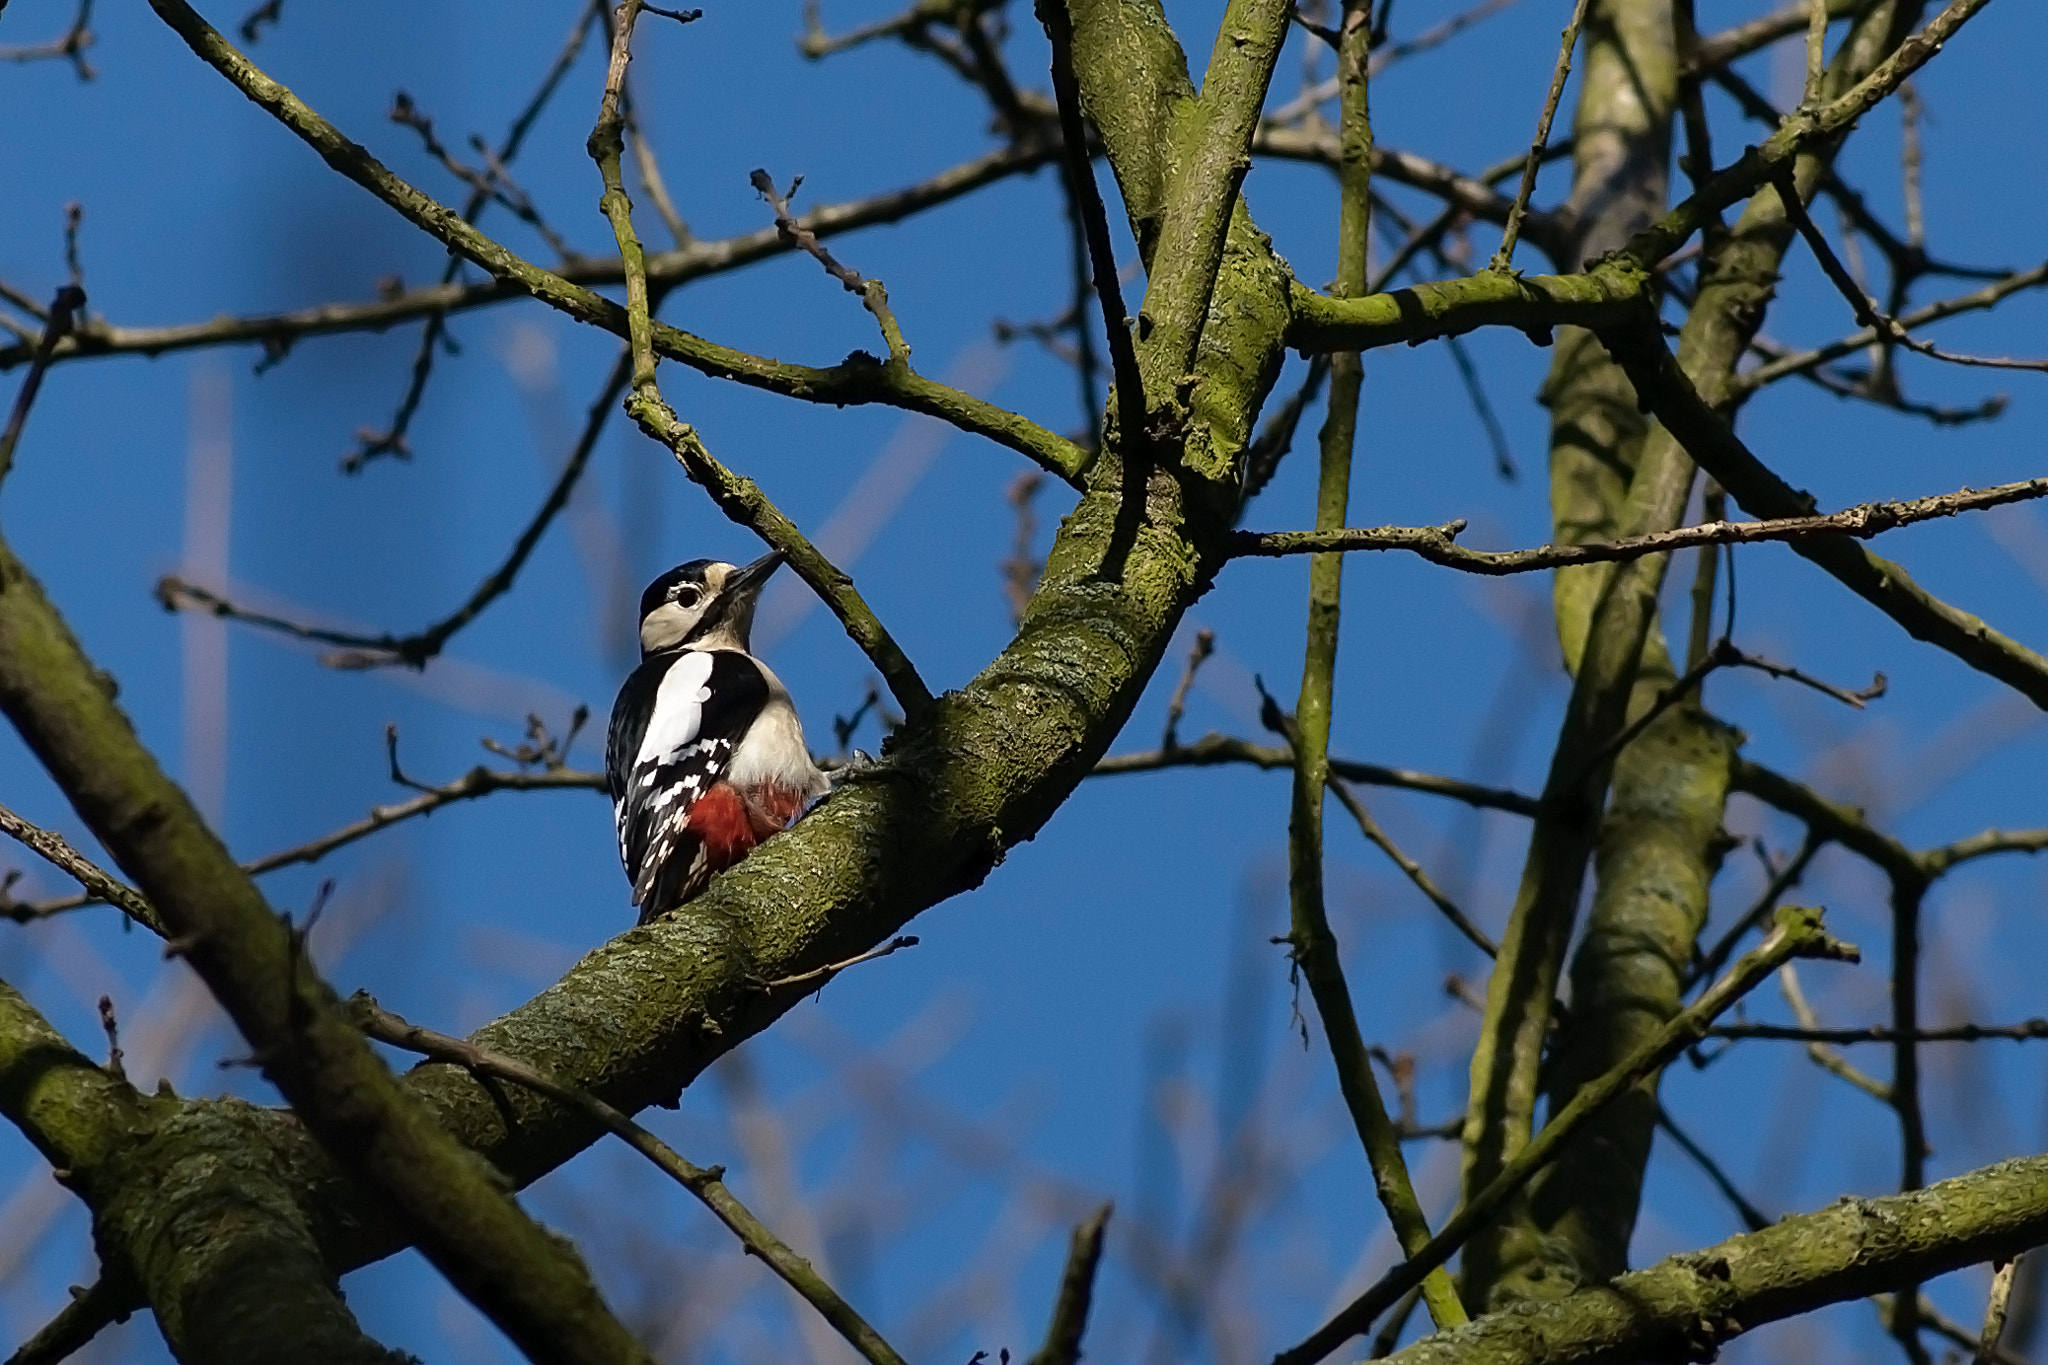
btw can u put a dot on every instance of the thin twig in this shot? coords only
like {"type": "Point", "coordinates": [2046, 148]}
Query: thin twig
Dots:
{"type": "Point", "coordinates": [478, 782]}
{"type": "Point", "coordinates": [1413, 870]}
{"type": "Point", "coordinates": [871, 292]}
{"type": "Point", "coordinates": [1724, 654]}
{"type": "Point", "coordinates": [1884, 326]}
{"type": "Point", "coordinates": [1475, 392]}
{"type": "Point", "coordinates": [1204, 646]}
{"type": "Point", "coordinates": [54, 849]}
{"type": "Point", "coordinates": [1824, 1056]}
{"type": "Point", "coordinates": [1276, 437]}
{"type": "Point", "coordinates": [71, 45]}
{"type": "Point", "coordinates": [707, 1184]}
{"type": "Point", "coordinates": [1909, 164]}
{"type": "Point", "coordinates": [57, 323]}
{"type": "Point", "coordinates": [494, 182]}
{"type": "Point", "coordinates": [1504, 258]}
{"type": "Point", "coordinates": [1438, 543]}
{"type": "Point", "coordinates": [853, 382]}
{"type": "Point", "coordinates": [819, 976]}
{"type": "Point", "coordinates": [1782, 880]}
{"type": "Point", "coordinates": [2029, 1031]}
{"type": "Point", "coordinates": [371, 444]}
{"type": "Point", "coordinates": [1751, 1217]}
{"type": "Point", "coordinates": [1978, 300]}
{"type": "Point", "coordinates": [358, 651]}
{"type": "Point", "coordinates": [1213, 750]}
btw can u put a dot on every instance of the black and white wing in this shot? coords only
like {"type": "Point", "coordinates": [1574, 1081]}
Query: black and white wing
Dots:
{"type": "Point", "coordinates": [674, 729]}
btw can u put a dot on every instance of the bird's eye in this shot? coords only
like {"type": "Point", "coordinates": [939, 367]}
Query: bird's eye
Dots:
{"type": "Point", "coordinates": [686, 596]}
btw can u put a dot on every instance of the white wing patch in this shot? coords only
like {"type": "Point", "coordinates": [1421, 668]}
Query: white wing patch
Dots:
{"type": "Point", "coordinates": [678, 708]}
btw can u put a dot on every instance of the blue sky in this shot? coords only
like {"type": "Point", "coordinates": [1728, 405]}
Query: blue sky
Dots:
{"type": "Point", "coordinates": [1099, 1017]}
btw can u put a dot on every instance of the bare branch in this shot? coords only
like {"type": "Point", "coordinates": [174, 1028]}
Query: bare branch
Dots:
{"type": "Point", "coordinates": [2030, 1030]}
{"type": "Point", "coordinates": [70, 45]}
{"type": "Point", "coordinates": [54, 849]}
{"type": "Point", "coordinates": [1883, 327]}
{"type": "Point", "coordinates": [356, 651]}
{"type": "Point", "coordinates": [1413, 870]}
{"type": "Point", "coordinates": [854, 381]}
{"type": "Point", "coordinates": [58, 322]}
{"type": "Point", "coordinates": [707, 1184]}
{"type": "Point", "coordinates": [1213, 750]}
{"type": "Point", "coordinates": [1503, 259]}
{"type": "Point", "coordinates": [1438, 544]}
{"type": "Point", "coordinates": [1087, 197]}
{"type": "Point", "coordinates": [818, 977]}
{"type": "Point", "coordinates": [871, 292]}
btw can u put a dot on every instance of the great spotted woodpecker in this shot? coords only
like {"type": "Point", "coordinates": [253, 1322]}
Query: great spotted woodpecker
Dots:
{"type": "Point", "coordinates": [705, 755]}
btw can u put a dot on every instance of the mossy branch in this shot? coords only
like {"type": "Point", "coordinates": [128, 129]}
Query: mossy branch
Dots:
{"type": "Point", "coordinates": [1314, 943]}
{"type": "Point", "coordinates": [1798, 933]}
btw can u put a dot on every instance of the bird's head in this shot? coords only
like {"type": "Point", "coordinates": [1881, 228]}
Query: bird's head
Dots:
{"type": "Point", "coordinates": [704, 604]}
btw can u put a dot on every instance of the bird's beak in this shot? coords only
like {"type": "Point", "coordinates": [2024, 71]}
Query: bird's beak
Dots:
{"type": "Point", "coordinates": [746, 584]}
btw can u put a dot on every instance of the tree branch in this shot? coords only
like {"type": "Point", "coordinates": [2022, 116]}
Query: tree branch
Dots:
{"type": "Point", "coordinates": [707, 1184]}
{"type": "Point", "coordinates": [1438, 544]}
{"type": "Point", "coordinates": [1666, 391]}
{"type": "Point", "coordinates": [1689, 1305]}
{"type": "Point", "coordinates": [698, 260]}
{"type": "Point", "coordinates": [857, 380]}
{"type": "Point", "coordinates": [97, 883]}
{"type": "Point", "coordinates": [1798, 934]}
{"type": "Point", "coordinates": [532, 1284]}
{"type": "Point", "coordinates": [1077, 1287]}
{"type": "Point", "coordinates": [1212, 750]}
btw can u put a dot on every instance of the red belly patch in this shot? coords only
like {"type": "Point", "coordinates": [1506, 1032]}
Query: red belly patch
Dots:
{"type": "Point", "coordinates": [721, 819]}
{"type": "Point", "coordinates": [731, 824]}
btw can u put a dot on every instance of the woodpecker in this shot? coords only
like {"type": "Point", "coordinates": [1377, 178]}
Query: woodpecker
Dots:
{"type": "Point", "coordinates": [705, 755]}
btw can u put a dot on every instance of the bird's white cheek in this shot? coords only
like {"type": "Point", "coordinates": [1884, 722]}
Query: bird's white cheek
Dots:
{"type": "Point", "coordinates": [664, 628]}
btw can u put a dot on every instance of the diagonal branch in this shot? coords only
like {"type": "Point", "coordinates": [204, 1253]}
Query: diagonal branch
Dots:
{"type": "Point", "coordinates": [707, 1184]}
{"type": "Point", "coordinates": [355, 651]}
{"type": "Point", "coordinates": [1666, 391]}
{"type": "Point", "coordinates": [1504, 258]}
{"type": "Point", "coordinates": [1798, 934]}
{"type": "Point", "coordinates": [857, 380]}
{"type": "Point", "coordinates": [738, 497]}
{"type": "Point", "coordinates": [872, 294]}
{"type": "Point", "coordinates": [53, 848]}
{"type": "Point", "coordinates": [1883, 326]}
{"type": "Point", "coordinates": [58, 323]}
{"type": "Point", "coordinates": [1805, 361]}
{"type": "Point", "coordinates": [1088, 207]}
